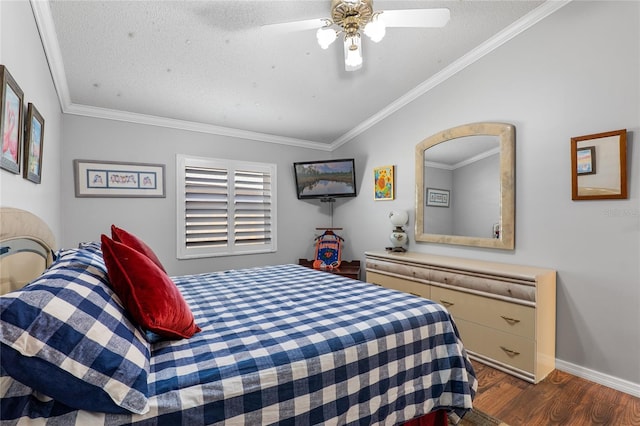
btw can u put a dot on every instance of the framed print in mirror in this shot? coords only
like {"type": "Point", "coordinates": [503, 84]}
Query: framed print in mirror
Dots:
{"type": "Point", "coordinates": [118, 179]}
{"type": "Point", "coordinates": [383, 183]}
{"type": "Point", "coordinates": [33, 143]}
{"type": "Point", "coordinates": [586, 158]}
{"type": "Point", "coordinates": [11, 118]}
{"type": "Point", "coordinates": [609, 180]}
{"type": "Point", "coordinates": [437, 197]}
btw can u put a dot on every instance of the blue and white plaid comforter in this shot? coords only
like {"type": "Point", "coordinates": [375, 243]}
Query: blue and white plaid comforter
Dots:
{"type": "Point", "coordinates": [293, 346]}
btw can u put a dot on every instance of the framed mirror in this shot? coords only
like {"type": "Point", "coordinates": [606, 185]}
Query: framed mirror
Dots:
{"type": "Point", "coordinates": [465, 184]}
{"type": "Point", "coordinates": [599, 166]}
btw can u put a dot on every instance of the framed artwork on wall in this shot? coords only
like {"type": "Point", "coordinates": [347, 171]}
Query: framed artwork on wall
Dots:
{"type": "Point", "coordinates": [437, 197]}
{"type": "Point", "coordinates": [118, 179]}
{"type": "Point", "coordinates": [609, 180]}
{"type": "Point", "coordinates": [383, 183]}
{"type": "Point", "coordinates": [33, 144]}
{"type": "Point", "coordinates": [11, 118]}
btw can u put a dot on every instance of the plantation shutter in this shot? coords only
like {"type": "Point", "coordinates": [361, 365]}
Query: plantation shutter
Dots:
{"type": "Point", "coordinates": [206, 207]}
{"type": "Point", "coordinates": [252, 209]}
{"type": "Point", "coordinates": [224, 207]}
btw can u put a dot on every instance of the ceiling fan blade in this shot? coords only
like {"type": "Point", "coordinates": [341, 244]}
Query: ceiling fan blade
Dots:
{"type": "Point", "coordinates": [308, 24]}
{"type": "Point", "coordinates": [426, 18]}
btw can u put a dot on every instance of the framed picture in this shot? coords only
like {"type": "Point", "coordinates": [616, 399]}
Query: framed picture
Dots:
{"type": "Point", "coordinates": [33, 143]}
{"type": "Point", "coordinates": [117, 179]}
{"type": "Point", "coordinates": [11, 119]}
{"type": "Point", "coordinates": [383, 183]}
{"type": "Point", "coordinates": [437, 197]}
{"type": "Point", "coordinates": [609, 151]}
{"type": "Point", "coordinates": [586, 158]}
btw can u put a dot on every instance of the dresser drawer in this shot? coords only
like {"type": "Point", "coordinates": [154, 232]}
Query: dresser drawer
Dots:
{"type": "Point", "coordinates": [504, 316]}
{"type": "Point", "coordinates": [505, 348]}
{"type": "Point", "coordinates": [412, 287]}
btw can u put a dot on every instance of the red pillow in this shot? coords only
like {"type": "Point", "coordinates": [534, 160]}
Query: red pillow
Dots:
{"type": "Point", "coordinates": [126, 238]}
{"type": "Point", "coordinates": [147, 292]}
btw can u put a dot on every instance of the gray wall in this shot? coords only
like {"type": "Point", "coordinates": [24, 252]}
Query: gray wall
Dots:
{"type": "Point", "coordinates": [154, 219]}
{"type": "Point", "coordinates": [575, 73]}
{"type": "Point", "coordinates": [476, 197]}
{"type": "Point", "coordinates": [439, 220]}
{"type": "Point", "coordinates": [21, 52]}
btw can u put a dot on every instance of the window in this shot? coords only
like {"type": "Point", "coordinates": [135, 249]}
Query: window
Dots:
{"type": "Point", "coordinates": [225, 207]}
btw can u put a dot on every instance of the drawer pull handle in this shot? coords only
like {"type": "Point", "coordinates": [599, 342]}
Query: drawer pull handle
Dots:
{"type": "Point", "coordinates": [415, 294]}
{"type": "Point", "coordinates": [510, 352]}
{"type": "Point", "coordinates": [446, 304]}
{"type": "Point", "coordinates": [511, 321]}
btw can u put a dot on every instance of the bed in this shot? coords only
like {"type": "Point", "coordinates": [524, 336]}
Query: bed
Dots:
{"type": "Point", "coordinates": [281, 344]}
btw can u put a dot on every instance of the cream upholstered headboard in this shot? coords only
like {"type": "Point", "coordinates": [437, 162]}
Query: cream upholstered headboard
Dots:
{"type": "Point", "coordinates": [26, 248]}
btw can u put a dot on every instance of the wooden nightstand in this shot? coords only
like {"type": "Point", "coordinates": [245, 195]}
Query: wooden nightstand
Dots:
{"type": "Point", "coordinates": [346, 269]}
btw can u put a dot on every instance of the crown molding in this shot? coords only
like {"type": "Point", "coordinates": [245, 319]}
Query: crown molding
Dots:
{"type": "Point", "coordinates": [463, 163]}
{"type": "Point", "coordinates": [192, 126]}
{"type": "Point", "coordinates": [46, 28]}
{"type": "Point", "coordinates": [527, 21]}
{"type": "Point", "coordinates": [49, 38]}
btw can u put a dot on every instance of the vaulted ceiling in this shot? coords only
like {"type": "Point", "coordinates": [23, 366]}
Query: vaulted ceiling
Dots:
{"type": "Point", "coordinates": [210, 66]}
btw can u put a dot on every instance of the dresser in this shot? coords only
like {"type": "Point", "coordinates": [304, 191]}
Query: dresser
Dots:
{"type": "Point", "coordinates": [506, 314]}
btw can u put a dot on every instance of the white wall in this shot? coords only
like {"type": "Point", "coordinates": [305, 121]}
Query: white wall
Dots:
{"type": "Point", "coordinates": [154, 219]}
{"type": "Point", "coordinates": [21, 52]}
{"type": "Point", "coordinates": [575, 73]}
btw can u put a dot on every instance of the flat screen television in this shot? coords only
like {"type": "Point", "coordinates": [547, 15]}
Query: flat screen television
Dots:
{"type": "Point", "coordinates": [325, 179]}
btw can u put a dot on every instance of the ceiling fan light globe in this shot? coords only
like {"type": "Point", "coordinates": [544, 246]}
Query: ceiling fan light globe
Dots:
{"type": "Point", "coordinates": [375, 30]}
{"type": "Point", "coordinates": [352, 53]}
{"type": "Point", "coordinates": [326, 36]}
{"type": "Point", "coordinates": [353, 61]}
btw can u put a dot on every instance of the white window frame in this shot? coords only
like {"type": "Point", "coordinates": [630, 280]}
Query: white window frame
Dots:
{"type": "Point", "coordinates": [231, 166]}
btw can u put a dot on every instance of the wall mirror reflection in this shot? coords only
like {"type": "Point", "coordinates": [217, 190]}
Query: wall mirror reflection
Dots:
{"type": "Point", "coordinates": [465, 186]}
{"type": "Point", "coordinates": [599, 166]}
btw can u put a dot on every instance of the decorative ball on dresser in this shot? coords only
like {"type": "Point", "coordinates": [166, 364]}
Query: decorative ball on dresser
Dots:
{"type": "Point", "coordinates": [398, 237]}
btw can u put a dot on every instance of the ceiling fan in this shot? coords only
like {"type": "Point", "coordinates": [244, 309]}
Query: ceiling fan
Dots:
{"type": "Point", "coordinates": [351, 17]}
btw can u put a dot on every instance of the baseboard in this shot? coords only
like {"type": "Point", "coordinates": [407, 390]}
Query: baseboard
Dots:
{"type": "Point", "coordinates": [600, 378]}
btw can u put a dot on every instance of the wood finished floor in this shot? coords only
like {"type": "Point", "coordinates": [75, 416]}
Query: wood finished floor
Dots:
{"type": "Point", "coordinates": [560, 399]}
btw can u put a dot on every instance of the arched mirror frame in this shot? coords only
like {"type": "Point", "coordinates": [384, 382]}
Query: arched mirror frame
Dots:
{"type": "Point", "coordinates": [506, 135]}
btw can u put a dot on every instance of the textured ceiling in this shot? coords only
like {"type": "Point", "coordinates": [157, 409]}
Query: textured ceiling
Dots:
{"type": "Point", "coordinates": [209, 66]}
